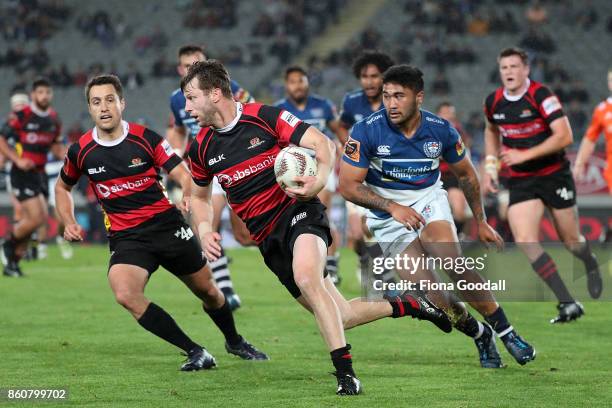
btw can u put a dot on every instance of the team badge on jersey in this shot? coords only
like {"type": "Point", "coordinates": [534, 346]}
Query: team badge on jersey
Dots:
{"type": "Point", "coordinates": [351, 149]}
{"type": "Point", "coordinates": [432, 149]}
{"type": "Point", "coordinates": [460, 147]}
{"type": "Point", "coordinates": [551, 104]}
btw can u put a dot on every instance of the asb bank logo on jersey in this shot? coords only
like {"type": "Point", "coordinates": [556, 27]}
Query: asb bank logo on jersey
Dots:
{"type": "Point", "coordinates": [432, 149]}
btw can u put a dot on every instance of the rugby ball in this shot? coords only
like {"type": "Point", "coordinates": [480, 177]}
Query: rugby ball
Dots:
{"type": "Point", "coordinates": [291, 162]}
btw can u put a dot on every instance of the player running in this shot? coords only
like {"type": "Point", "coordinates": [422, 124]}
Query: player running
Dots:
{"type": "Point", "coordinates": [36, 131]}
{"type": "Point", "coordinates": [368, 68]}
{"type": "Point", "coordinates": [601, 122]}
{"type": "Point", "coordinates": [456, 199]}
{"type": "Point", "coordinates": [534, 132]}
{"type": "Point", "coordinates": [122, 162]}
{"type": "Point", "coordinates": [183, 130]}
{"type": "Point", "coordinates": [396, 152]}
{"type": "Point", "coordinates": [238, 144]}
{"type": "Point", "coordinates": [321, 113]}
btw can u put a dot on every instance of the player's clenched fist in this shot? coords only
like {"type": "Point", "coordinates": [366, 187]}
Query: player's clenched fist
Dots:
{"type": "Point", "coordinates": [211, 246]}
{"type": "Point", "coordinates": [73, 232]}
{"type": "Point", "coordinates": [407, 216]}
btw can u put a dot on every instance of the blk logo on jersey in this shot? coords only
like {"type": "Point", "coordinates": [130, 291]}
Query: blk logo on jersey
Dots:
{"type": "Point", "coordinates": [216, 160]}
{"type": "Point", "coordinates": [432, 149]}
{"type": "Point", "coordinates": [96, 170]}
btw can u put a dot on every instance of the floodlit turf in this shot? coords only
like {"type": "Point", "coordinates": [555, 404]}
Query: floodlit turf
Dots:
{"type": "Point", "coordinates": [60, 328]}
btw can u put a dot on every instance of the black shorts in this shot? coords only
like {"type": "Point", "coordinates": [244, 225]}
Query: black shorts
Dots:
{"type": "Point", "coordinates": [556, 190]}
{"type": "Point", "coordinates": [28, 184]}
{"type": "Point", "coordinates": [277, 248]}
{"type": "Point", "coordinates": [165, 240]}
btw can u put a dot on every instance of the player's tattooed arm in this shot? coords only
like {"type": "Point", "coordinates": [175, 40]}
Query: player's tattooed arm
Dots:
{"type": "Point", "coordinates": [352, 189]}
{"type": "Point", "coordinates": [365, 197]}
{"type": "Point", "coordinates": [470, 185]}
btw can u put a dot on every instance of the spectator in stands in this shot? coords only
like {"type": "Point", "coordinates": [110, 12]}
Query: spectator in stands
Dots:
{"type": "Point", "coordinates": [555, 73]}
{"type": "Point", "coordinates": [537, 41]}
{"type": "Point", "coordinates": [39, 59]}
{"type": "Point", "coordinates": [478, 25]}
{"type": "Point", "coordinates": [159, 39]}
{"type": "Point", "coordinates": [161, 68]}
{"type": "Point", "coordinates": [536, 14]}
{"type": "Point", "coordinates": [370, 39]}
{"type": "Point", "coordinates": [234, 56]}
{"type": "Point", "coordinates": [80, 76]}
{"type": "Point", "coordinates": [264, 26]}
{"type": "Point", "coordinates": [281, 48]}
{"type": "Point", "coordinates": [577, 117]}
{"type": "Point", "coordinates": [440, 85]}
{"type": "Point", "coordinates": [102, 29]}
{"type": "Point", "coordinates": [132, 79]}
{"type": "Point", "coordinates": [578, 92]}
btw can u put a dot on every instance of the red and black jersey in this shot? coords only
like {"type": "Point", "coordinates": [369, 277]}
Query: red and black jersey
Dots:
{"type": "Point", "coordinates": [124, 174]}
{"type": "Point", "coordinates": [524, 123]}
{"type": "Point", "coordinates": [34, 132]}
{"type": "Point", "coordinates": [242, 157]}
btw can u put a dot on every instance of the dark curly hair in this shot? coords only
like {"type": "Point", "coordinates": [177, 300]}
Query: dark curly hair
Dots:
{"type": "Point", "coordinates": [381, 60]}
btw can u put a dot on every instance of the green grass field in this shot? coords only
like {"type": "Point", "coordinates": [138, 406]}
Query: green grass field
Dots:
{"type": "Point", "coordinates": [60, 328]}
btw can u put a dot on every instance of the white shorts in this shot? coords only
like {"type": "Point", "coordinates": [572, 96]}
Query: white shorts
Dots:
{"type": "Point", "coordinates": [394, 237]}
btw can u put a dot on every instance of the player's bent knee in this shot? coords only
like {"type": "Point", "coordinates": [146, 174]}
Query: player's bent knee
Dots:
{"type": "Point", "coordinates": [308, 278]}
{"type": "Point", "coordinates": [128, 299]}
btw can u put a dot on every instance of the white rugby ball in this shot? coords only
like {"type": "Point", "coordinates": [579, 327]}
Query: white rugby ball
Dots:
{"type": "Point", "coordinates": [291, 162]}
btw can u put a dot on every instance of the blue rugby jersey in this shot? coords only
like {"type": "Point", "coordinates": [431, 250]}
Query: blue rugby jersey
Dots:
{"type": "Point", "coordinates": [401, 169]}
{"type": "Point", "coordinates": [318, 112]}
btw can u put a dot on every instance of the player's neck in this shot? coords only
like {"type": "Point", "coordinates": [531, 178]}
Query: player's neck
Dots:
{"type": "Point", "coordinates": [37, 109]}
{"type": "Point", "coordinates": [227, 114]}
{"type": "Point", "coordinates": [520, 91]}
{"type": "Point", "coordinates": [375, 102]}
{"type": "Point", "coordinates": [111, 134]}
{"type": "Point", "coordinates": [301, 104]}
{"type": "Point", "coordinates": [409, 127]}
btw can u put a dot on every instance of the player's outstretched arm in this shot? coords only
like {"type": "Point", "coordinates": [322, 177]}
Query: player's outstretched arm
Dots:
{"type": "Point", "coordinates": [492, 145]}
{"type": "Point", "coordinates": [325, 155]}
{"type": "Point", "coordinates": [65, 209]}
{"type": "Point", "coordinates": [352, 189]}
{"type": "Point", "coordinates": [177, 137]}
{"type": "Point", "coordinates": [180, 174]}
{"type": "Point", "coordinates": [468, 182]}
{"type": "Point", "coordinates": [560, 138]}
{"type": "Point", "coordinates": [587, 147]}
{"type": "Point", "coordinates": [10, 153]}
{"type": "Point", "coordinates": [202, 217]}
